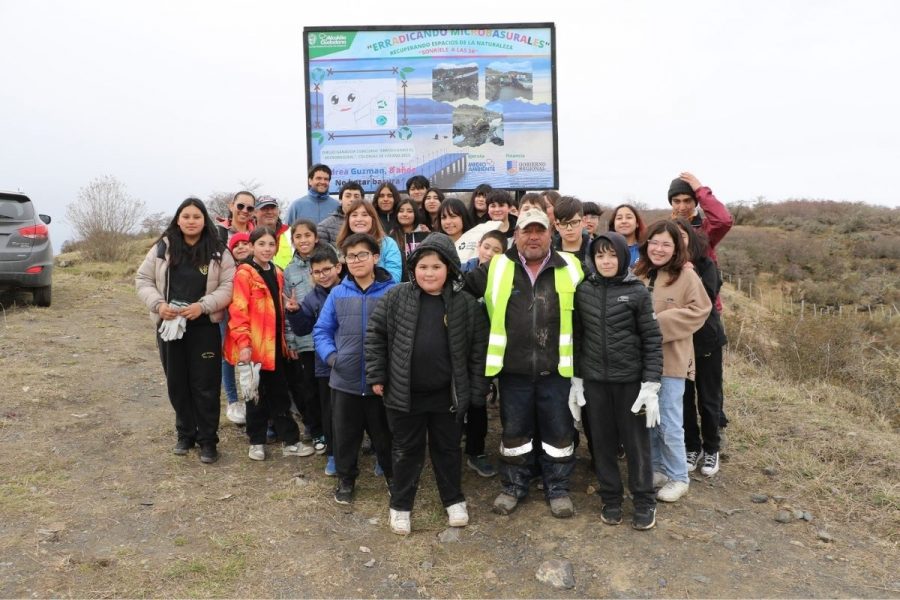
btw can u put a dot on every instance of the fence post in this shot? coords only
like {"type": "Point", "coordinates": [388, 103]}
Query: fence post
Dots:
{"type": "Point", "coordinates": [802, 308]}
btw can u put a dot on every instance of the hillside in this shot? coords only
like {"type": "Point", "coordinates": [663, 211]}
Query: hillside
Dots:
{"type": "Point", "coordinates": [93, 504]}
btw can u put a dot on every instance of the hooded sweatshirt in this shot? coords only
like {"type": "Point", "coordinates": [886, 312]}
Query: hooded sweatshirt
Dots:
{"type": "Point", "coordinates": [392, 334]}
{"type": "Point", "coordinates": [617, 338]}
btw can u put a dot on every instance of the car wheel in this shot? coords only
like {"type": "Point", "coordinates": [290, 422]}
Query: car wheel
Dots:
{"type": "Point", "coordinates": [41, 296]}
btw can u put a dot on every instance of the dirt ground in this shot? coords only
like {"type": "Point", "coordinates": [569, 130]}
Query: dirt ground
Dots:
{"type": "Point", "coordinates": [94, 504]}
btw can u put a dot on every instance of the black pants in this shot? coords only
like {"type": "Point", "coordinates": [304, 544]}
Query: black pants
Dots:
{"type": "Point", "coordinates": [325, 400]}
{"type": "Point", "coordinates": [193, 368]}
{"type": "Point", "coordinates": [525, 401]}
{"type": "Point", "coordinates": [274, 405]}
{"type": "Point", "coordinates": [351, 415]}
{"type": "Point", "coordinates": [476, 430]}
{"type": "Point", "coordinates": [608, 410]}
{"type": "Point", "coordinates": [301, 375]}
{"type": "Point", "coordinates": [408, 455]}
{"type": "Point", "coordinates": [704, 395]}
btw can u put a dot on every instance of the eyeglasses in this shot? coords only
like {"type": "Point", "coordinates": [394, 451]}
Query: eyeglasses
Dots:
{"type": "Point", "coordinates": [664, 245]}
{"type": "Point", "coordinates": [358, 257]}
{"type": "Point", "coordinates": [569, 224]}
{"type": "Point", "coordinates": [245, 207]}
{"type": "Point", "coordinates": [322, 272]}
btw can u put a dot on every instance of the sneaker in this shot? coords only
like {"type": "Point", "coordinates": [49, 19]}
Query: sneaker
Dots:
{"type": "Point", "coordinates": [343, 493]}
{"type": "Point", "coordinates": [399, 521]}
{"type": "Point", "coordinates": [298, 449]}
{"type": "Point", "coordinates": [305, 436]}
{"type": "Point", "coordinates": [505, 503]}
{"type": "Point", "coordinates": [379, 472]}
{"type": "Point", "coordinates": [672, 491]}
{"type": "Point", "coordinates": [257, 452]}
{"type": "Point", "coordinates": [182, 446]}
{"type": "Point", "coordinates": [236, 412]}
{"type": "Point", "coordinates": [659, 480]}
{"type": "Point", "coordinates": [644, 518]}
{"type": "Point", "coordinates": [458, 515]}
{"type": "Point", "coordinates": [330, 469]}
{"type": "Point", "coordinates": [710, 464]}
{"type": "Point", "coordinates": [319, 444]}
{"type": "Point", "coordinates": [611, 514]}
{"type": "Point", "coordinates": [561, 507]}
{"type": "Point", "coordinates": [208, 453]}
{"type": "Point", "coordinates": [481, 465]}
{"type": "Point", "coordinates": [693, 459]}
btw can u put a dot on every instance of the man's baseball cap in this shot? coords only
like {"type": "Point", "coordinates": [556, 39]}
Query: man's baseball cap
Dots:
{"type": "Point", "coordinates": [528, 217]}
{"type": "Point", "coordinates": [264, 201]}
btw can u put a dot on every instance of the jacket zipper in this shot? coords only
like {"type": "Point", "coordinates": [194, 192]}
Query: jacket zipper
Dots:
{"type": "Point", "coordinates": [603, 333]}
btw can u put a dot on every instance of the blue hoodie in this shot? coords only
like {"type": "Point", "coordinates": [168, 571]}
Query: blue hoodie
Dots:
{"type": "Point", "coordinates": [340, 331]}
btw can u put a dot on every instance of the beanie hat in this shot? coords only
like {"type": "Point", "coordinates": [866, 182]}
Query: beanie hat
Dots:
{"type": "Point", "coordinates": [243, 236]}
{"type": "Point", "coordinates": [680, 186]}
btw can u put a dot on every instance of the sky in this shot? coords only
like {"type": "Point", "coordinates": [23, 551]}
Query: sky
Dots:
{"type": "Point", "coordinates": [765, 99]}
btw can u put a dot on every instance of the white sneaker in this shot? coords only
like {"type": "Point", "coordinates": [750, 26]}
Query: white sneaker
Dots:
{"type": "Point", "coordinates": [693, 459]}
{"type": "Point", "coordinates": [672, 491]}
{"type": "Point", "coordinates": [236, 412]}
{"type": "Point", "coordinates": [298, 449]}
{"type": "Point", "coordinates": [659, 480]}
{"type": "Point", "coordinates": [710, 464]}
{"type": "Point", "coordinates": [400, 522]}
{"type": "Point", "coordinates": [459, 516]}
{"type": "Point", "coordinates": [257, 452]}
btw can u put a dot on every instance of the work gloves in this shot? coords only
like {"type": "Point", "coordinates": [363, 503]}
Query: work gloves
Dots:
{"type": "Point", "coordinates": [173, 329]}
{"type": "Point", "coordinates": [576, 397]}
{"type": "Point", "coordinates": [648, 402]}
{"type": "Point", "coordinates": [247, 380]}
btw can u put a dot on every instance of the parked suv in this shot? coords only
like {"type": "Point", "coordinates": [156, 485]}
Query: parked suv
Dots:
{"type": "Point", "coordinates": [26, 257]}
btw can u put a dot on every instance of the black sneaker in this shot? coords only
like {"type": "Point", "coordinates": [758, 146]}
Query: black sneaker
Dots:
{"type": "Point", "coordinates": [611, 514]}
{"type": "Point", "coordinates": [208, 453]}
{"type": "Point", "coordinates": [644, 518]}
{"type": "Point", "coordinates": [181, 448]}
{"type": "Point", "coordinates": [343, 493]}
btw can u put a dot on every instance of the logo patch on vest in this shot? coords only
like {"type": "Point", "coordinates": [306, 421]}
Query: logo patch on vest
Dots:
{"type": "Point", "coordinates": [208, 355]}
{"type": "Point", "coordinates": [622, 299]}
{"type": "Point", "coordinates": [204, 269]}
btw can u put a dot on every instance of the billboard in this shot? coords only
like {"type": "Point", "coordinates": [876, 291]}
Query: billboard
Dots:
{"type": "Point", "coordinates": [460, 104]}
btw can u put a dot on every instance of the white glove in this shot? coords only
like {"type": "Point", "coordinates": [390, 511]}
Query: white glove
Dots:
{"type": "Point", "coordinates": [247, 380]}
{"type": "Point", "coordinates": [173, 329]}
{"type": "Point", "coordinates": [648, 400]}
{"type": "Point", "coordinates": [576, 397]}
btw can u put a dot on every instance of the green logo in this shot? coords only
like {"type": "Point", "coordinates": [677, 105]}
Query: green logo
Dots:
{"type": "Point", "coordinates": [322, 43]}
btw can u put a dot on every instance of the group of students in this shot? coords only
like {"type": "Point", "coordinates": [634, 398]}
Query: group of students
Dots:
{"type": "Point", "coordinates": [360, 318]}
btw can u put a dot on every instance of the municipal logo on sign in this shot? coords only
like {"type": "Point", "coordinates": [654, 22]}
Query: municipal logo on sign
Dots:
{"type": "Point", "coordinates": [512, 167]}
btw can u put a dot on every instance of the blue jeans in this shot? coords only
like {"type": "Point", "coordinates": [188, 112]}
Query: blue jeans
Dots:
{"type": "Point", "coordinates": [227, 369]}
{"type": "Point", "coordinates": [667, 451]}
{"type": "Point", "coordinates": [526, 401]}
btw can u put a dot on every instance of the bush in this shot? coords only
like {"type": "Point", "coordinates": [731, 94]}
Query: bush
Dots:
{"type": "Point", "coordinates": [103, 216]}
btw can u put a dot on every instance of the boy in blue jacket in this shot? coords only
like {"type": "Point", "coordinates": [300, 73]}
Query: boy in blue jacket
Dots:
{"type": "Point", "coordinates": [339, 335]}
{"type": "Point", "coordinates": [325, 269]}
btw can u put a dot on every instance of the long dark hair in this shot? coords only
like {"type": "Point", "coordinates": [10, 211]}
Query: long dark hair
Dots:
{"type": "Point", "coordinates": [698, 243]}
{"type": "Point", "coordinates": [394, 192]}
{"type": "Point", "coordinates": [208, 248]}
{"type": "Point", "coordinates": [377, 231]}
{"type": "Point", "coordinates": [644, 267]}
{"type": "Point", "coordinates": [454, 207]}
{"type": "Point", "coordinates": [640, 229]}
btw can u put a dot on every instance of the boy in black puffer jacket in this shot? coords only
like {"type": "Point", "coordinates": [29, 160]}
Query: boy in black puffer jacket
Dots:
{"type": "Point", "coordinates": [425, 353]}
{"type": "Point", "coordinates": [618, 355]}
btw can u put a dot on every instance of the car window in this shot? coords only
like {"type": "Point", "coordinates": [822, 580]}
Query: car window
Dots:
{"type": "Point", "coordinates": [14, 209]}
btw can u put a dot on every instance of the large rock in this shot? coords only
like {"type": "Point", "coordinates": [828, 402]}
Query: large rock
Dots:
{"type": "Point", "coordinates": [557, 573]}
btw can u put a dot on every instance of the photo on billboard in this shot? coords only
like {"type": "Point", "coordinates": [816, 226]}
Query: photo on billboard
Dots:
{"type": "Point", "coordinates": [460, 104]}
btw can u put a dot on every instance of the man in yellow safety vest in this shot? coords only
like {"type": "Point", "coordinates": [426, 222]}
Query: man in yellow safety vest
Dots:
{"type": "Point", "coordinates": [529, 294]}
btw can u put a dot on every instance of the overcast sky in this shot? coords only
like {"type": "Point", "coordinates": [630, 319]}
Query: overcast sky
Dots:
{"type": "Point", "coordinates": [765, 98]}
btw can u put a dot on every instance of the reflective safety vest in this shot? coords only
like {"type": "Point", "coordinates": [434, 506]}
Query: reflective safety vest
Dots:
{"type": "Point", "coordinates": [285, 252]}
{"type": "Point", "coordinates": [496, 297]}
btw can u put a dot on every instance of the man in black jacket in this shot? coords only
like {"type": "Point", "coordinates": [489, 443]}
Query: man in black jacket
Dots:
{"type": "Point", "coordinates": [529, 295]}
